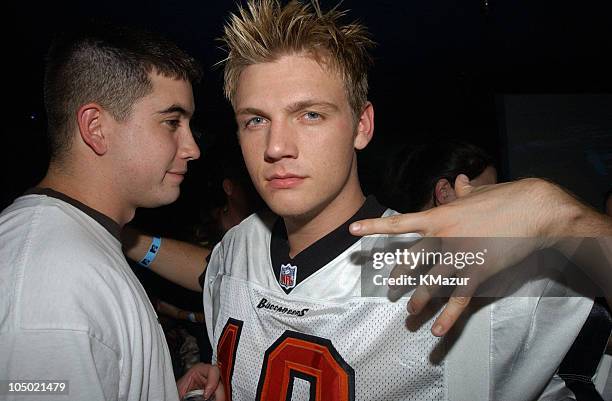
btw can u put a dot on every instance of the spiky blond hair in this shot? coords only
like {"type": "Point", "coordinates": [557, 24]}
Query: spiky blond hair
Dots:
{"type": "Point", "coordinates": [264, 31]}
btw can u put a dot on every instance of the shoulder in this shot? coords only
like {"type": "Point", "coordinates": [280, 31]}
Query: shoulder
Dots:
{"type": "Point", "coordinates": [255, 224]}
{"type": "Point", "coordinates": [47, 239]}
{"type": "Point", "coordinates": [63, 268]}
{"type": "Point", "coordinates": [255, 230]}
{"type": "Point", "coordinates": [249, 240]}
{"type": "Point", "coordinates": [46, 220]}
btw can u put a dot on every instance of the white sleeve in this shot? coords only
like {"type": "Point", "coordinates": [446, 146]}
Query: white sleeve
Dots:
{"type": "Point", "coordinates": [90, 367]}
{"type": "Point", "coordinates": [210, 290]}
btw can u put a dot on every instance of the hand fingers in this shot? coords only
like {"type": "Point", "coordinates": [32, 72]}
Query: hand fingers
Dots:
{"type": "Point", "coordinates": [183, 385]}
{"type": "Point", "coordinates": [220, 393]}
{"type": "Point", "coordinates": [462, 185]}
{"type": "Point", "coordinates": [457, 303]}
{"type": "Point", "coordinates": [396, 224]}
{"type": "Point", "coordinates": [199, 376]}
{"type": "Point", "coordinates": [419, 299]}
{"type": "Point", "coordinates": [397, 291]}
{"type": "Point", "coordinates": [423, 294]}
{"type": "Point", "coordinates": [449, 316]}
{"type": "Point", "coordinates": [213, 382]}
{"type": "Point", "coordinates": [451, 312]}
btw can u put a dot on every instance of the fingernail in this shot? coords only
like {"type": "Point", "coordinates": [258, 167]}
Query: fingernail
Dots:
{"type": "Point", "coordinates": [206, 394]}
{"type": "Point", "coordinates": [355, 227]}
{"type": "Point", "coordinates": [438, 330]}
{"type": "Point", "coordinates": [410, 308]}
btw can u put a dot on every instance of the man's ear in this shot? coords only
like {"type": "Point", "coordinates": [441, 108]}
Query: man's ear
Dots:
{"type": "Point", "coordinates": [89, 118]}
{"type": "Point", "coordinates": [444, 192]}
{"type": "Point", "coordinates": [365, 127]}
{"type": "Point", "coordinates": [228, 186]}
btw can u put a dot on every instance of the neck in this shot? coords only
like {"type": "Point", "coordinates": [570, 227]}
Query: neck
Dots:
{"type": "Point", "coordinates": [304, 231]}
{"type": "Point", "coordinates": [87, 189]}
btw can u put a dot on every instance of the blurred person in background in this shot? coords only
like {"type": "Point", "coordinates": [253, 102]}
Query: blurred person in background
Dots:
{"type": "Point", "coordinates": [230, 195]}
{"type": "Point", "coordinates": [421, 177]}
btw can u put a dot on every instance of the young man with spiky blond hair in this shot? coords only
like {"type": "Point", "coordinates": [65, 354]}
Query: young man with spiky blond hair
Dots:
{"type": "Point", "coordinates": [282, 292]}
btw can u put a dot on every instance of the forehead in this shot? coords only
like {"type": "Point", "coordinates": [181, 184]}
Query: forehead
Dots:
{"type": "Point", "coordinates": [168, 91]}
{"type": "Point", "coordinates": [290, 78]}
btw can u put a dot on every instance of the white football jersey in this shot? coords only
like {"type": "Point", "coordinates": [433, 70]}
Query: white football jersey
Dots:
{"type": "Point", "coordinates": [279, 335]}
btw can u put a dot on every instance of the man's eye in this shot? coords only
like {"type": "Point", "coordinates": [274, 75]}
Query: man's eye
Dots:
{"type": "Point", "coordinates": [174, 124]}
{"type": "Point", "coordinates": [255, 121]}
{"type": "Point", "coordinates": [311, 115]}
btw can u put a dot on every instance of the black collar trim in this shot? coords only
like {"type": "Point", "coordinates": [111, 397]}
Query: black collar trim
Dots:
{"type": "Point", "coordinates": [322, 251]}
{"type": "Point", "coordinates": [109, 224]}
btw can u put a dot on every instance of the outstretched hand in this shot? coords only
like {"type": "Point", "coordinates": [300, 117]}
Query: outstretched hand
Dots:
{"type": "Point", "coordinates": [531, 209]}
{"type": "Point", "coordinates": [524, 208]}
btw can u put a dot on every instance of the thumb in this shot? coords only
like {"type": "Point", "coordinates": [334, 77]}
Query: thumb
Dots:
{"type": "Point", "coordinates": [462, 186]}
{"type": "Point", "coordinates": [212, 381]}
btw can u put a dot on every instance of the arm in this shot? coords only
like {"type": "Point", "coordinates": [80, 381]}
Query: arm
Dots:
{"type": "Point", "coordinates": [594, 257]}
{"type": "Point", "coordinates": [529, 208]}
{"type": "Point", "coordinates": [177, 261]}
{"type": "Point", "coordinates": [177, 313]}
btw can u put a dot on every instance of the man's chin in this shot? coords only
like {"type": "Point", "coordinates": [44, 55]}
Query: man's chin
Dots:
{"type": "Point", "coordinates": [293, 210]}
{"type": "Point", "coordinates": [162, 200]}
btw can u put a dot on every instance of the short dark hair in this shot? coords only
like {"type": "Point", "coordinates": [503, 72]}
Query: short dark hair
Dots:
{"type": "Point", "coordinates": [108, 65]}
{"type": "Point", "coordinates": [412, 174]}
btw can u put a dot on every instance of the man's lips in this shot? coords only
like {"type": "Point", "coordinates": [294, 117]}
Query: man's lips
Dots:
{"type": "Point", "coordinates": [178, 174]}
{"type": "Point", "coordinates": [285, 181]}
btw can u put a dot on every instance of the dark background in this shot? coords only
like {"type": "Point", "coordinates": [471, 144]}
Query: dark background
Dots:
{"type": "Point", "coordinates": [442, 69]}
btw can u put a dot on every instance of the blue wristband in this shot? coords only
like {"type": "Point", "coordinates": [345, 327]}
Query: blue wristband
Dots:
{"type": "Point", "coordinates": [153, 250]}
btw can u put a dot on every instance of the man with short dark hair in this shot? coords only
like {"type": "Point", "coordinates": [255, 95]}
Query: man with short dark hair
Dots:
{"type": "Point", "coordinates": [119, 103]}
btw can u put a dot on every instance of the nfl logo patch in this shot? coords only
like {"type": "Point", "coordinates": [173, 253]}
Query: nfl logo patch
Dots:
{"type": "Point", "coordinates": [288, 275]}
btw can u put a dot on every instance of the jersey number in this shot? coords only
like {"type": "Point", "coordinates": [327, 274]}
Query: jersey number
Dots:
{"type": "Point", "coordinates": [293, 355]}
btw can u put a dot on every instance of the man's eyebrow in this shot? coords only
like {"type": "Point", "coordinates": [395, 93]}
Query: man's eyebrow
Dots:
{"type": "Point", "coordinates": [251, 111]}
{"type": "Point", "coordinates": [305, 104]}
{"type": "Point", "coordinates": [175, 108]}
{"type": "Point", "coordinates": [292, 108]}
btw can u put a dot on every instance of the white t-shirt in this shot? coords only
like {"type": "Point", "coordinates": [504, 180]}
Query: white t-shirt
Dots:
{"type": "Point", "coordinates": [71, 308]}
{"type": "Point", "coordinates": [323, 336]}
